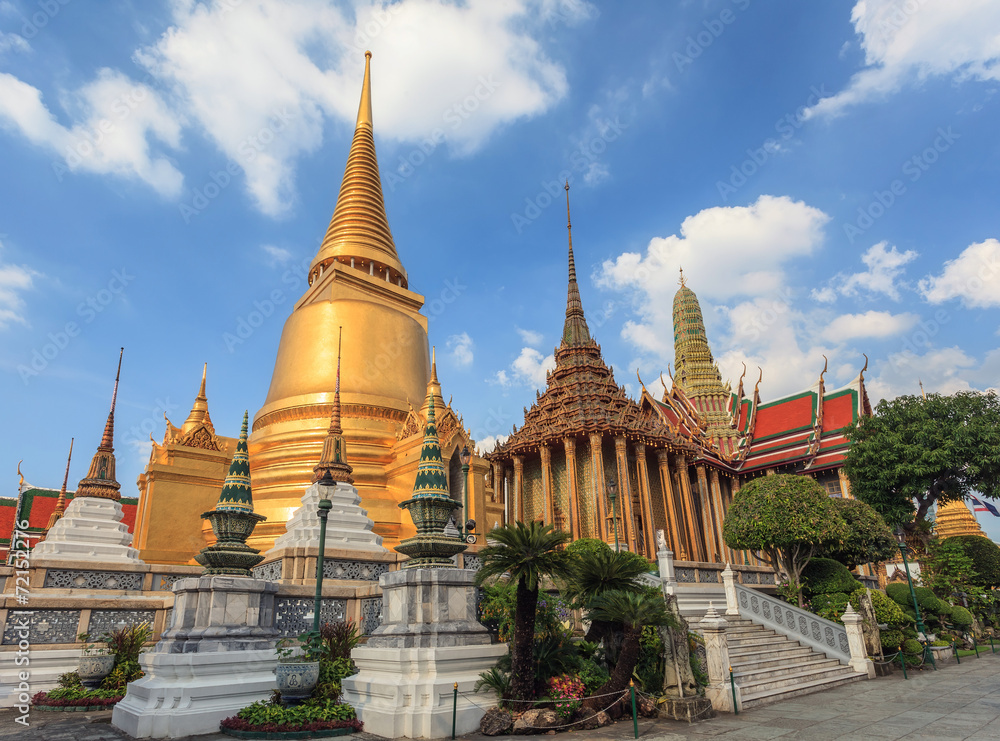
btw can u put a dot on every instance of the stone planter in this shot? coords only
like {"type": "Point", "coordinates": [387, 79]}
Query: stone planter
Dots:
{"type": "Point", "coordinates": [94, 668]}
{"type": "Point", "coordinates": [296, 679]}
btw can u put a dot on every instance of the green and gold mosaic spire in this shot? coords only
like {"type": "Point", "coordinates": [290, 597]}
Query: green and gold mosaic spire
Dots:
{"type": "Point", "coordinates": [431, 477]}
{"type": "Point", "coordinates": [236, 495]}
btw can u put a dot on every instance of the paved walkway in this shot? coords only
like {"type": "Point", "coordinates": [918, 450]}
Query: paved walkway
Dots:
{"type": "Point", "coordinates": [957, 702]}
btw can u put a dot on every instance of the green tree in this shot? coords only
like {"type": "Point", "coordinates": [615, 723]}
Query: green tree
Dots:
{"type": "Point", "coordinates": [633, 610]}
{"type": "Point", "coordinates": [914, 452]}
{"type": "Point", "coordinates": [598, 570]}
{"type": "Point", "coordinates": [985, 555]}
{"type": "Point", "coordinates": [947, 569]}
{"type": "Point", "coordinates": [868, 540]}
{"type": "Point", "coordinates": [524, 554]}
{"type": "Point", "coordinates": [784, 519]}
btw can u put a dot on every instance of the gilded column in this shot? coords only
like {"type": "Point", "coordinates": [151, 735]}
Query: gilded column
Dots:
{"type": "Point", "coordinates": [720, 513]}
{"type": "Point", "coordinates": [574, 508]}
{"type": "Point", "coordinates": [675, 522]}
{"type": "Point", "coordinates": [498, 492]}
{"type": "Point", "coordinates": [644, 500]}
{"type": "Point", "coordinates": [695, 544]}
{"type": "Point", "coordinates": [548, 505]}
{"type": "Point", "coordinates": [518, 488]}
{"type": "Point", "coordinates": [508, 478]}
{"type": "Point", "coordinates": [625, 494]}
{"type": "Point", "coordinates": [707, 521]}
{"type": "Point", "coordinates": [597, 466]}
{"type": "Point", "coordinates": [845, 484]}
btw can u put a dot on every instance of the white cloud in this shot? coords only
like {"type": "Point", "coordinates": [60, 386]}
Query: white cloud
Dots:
{"type": "Point", "coordinates": [285, 66]}
{"type": "Point", "coordinates": [531, 367]}
{"type": "Point", "coordinates": [275, 255]}
{"type": "Point", "coordinates": [941, 370]}
{"type": "Point", "coordinates": [10, 41]}
{"type": "Point", "coordinates": [885, 267]}
{"type": "Point", "coordinates": [824, 295]}
{"type": "Point", "coordinates": [488, 443]}
{"type": "Point", "coordinates": [908, 42]}
{"type": "Point", "coordinates": [973, 277]}
{"type": "Point", "coordinates": [500, 378]}
{"type": "Point", "coordinates": [875, 324]}
{"type": "Point", "coordinates": [114, 120]}
{"type": "Point", "coordinates": [460, 346]}
{"type": "Point", "coordinates": [530, 337]}
{"type": "Point", "coordinates": [14, 279]}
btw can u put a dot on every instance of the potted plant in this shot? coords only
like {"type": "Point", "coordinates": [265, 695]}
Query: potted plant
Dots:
{"type": "Point", "coordinates": [95, 662]}
{"type": "Point", "coordinates": [297, 671]}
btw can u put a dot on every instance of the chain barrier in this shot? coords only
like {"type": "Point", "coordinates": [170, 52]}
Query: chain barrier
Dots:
{"type": "Point", "coordinates": [621, 696]}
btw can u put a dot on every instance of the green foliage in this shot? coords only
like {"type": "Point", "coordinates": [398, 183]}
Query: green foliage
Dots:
{"type": "Point", "coordinates": [331, 671]}
{"type": "Point", "coordinates": [494, 679]}
{"type": "Point", "coordinates": [947, 568]}
{"type": "Point", "coordinates": [632, 609]}
{"type": "Point", "coordinates": [699, 672]}
{"type": "Point", "coordinates": [830, 606]}
{"type": "Point", "coordinates": [597, 570]}
{"type": "Point", "coordinates": [70, 679]}
{"type": "Point", "coordinates": [891, 639]}
{"type": "Point", "coordinates": [868, 540]}
{"type": "Point", "coordinates": [588, 546]}
{"type": "Point", "coordinates": [93, 646]}
{"type": "Point", "coordinates": [649, 669]}
{"type": "Point", "coordinates": [912, 647]}
{"type": "Point", "coordinates": [80, 693]}
{"type": "Point", "coordinates": [593, 675]}
{"type": "Point", "coordinates": [985, 555]}
{"type": "Point", "coordinates": [915, 450]}
{"type": "Point", "coordinates": [498, 604]}
{"type": "Point", "coordinates": [554, 655]}
{"type": "Point", "coordinates": [261, 713]}
{"type": "Point", "coordinates": [121, 675]}
{"type": "Point", "coordinates": [887, 611]}
{"type": "Point", "coordinates": [339, 638]}
{"type": "Point", "coordinates": [926, 599]}
{"type": "Point", "coordinates": [960, 617]}
{"type": "Point", "coordinates": [127, 643]}
{"type": "Point", "coordinates": [826, 576]}
{"type": "Point", "coordinates": [311, 647]}
{"type": "Point", "coordinates": [785, 517]}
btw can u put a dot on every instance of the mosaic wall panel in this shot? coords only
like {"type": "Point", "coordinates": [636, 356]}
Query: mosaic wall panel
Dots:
{"type": "Point", "coordinates": [534, 501]}
{"type": "Point", "coordinates": [72, 579]}
{"type": "Point", "coordinates": [359, 570]}
{"type": "Point", "coordinates": [560, 491]}
{"type": "Point", "coordinates": [44, 626]}
{"type": "Point", "coordinates": [371, 614]}
{"type": "Point", "coordinates": [290, 614]}
{"type": "Point", "coordinates": [106, 621]}
{"type": "Point", "coordinates": [267, 572]}
{"type": "Point", "coordinates": [586, 500]}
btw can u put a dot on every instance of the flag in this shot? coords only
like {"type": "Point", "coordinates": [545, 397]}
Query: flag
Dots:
{"type": "Point", "coordinates": [980, 505]}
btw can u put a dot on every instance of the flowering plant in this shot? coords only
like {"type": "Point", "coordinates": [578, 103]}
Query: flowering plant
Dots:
{"type": "Point", "coordinates": [567, 692]}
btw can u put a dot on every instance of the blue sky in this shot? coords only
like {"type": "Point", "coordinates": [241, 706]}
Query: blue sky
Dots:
{"type": "Point", "coordinates": [826, 174]}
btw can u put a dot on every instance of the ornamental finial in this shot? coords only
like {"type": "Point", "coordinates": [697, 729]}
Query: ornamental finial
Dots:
{"type": "Point", "coordinates": [681, 281]}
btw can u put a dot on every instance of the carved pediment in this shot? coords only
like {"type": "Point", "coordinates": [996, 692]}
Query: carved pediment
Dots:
{"type": "Point", "coordinates": [201, 438]}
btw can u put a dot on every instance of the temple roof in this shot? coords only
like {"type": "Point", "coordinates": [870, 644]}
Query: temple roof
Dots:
{"type": "Point", "coordinates": [359, 232]}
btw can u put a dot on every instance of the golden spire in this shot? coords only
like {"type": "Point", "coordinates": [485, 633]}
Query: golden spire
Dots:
{"type": "Point", "coordinates": [922, 392]}
{"type": "Point", "coordinates": [359, 231]}
{"type": "Point", "coordinates": [333, 459]}
{"type": "Point", "coordinates": [199, 412]}
{"type": "Point", "coordinates": [575, 330]}
{"type": "Point", "coordinates": [681, 281]}
{"type": "Point", "coordinates": [60, 507]}
{"type": "Point", "coordinates": [100, 481]}
{"type": "Point", "coordinates": [433, 387]}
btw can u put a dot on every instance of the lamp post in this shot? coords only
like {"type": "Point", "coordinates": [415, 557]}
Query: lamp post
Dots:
{"type": "Point", "coordinates": [613, 496]}
{"type": "Point", "coordinates": [325, 505]}
{"type": "Point", "coordinates": [901, 538]}
{"type": "Point", "coordinates": [466, 457]}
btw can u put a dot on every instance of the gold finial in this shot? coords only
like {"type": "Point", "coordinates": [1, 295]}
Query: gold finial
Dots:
{"type": "Point", "coordinates": [681, 281]}
{"type": "Point", "coordinates": [922, 392]}
{"type": "Point", "coordinates": [365, 108]}
{"type": "Point", "coordinates": [822, 373]}
{"type": "Point", "coordinates": [20, 484]}
{"type": "Point", "coordinates": [865, 368]}
{"type": "Point", "coordinates": [434, 365]}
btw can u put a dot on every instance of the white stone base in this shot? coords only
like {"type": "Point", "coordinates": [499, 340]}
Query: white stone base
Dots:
{"type": "Point", "coordinates": [189, 694]}
{"type": "Point", "coordinates": [409, 692]}
{"type": "Point", "coordinates": [45, 667]}
{"type": "Point", "coordinates": [90, 531]}
{"type": "Point", "coordinates": [348, 526]}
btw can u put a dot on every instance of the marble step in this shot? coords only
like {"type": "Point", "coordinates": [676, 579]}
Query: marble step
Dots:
{"type": "Point", "coordinates": [766, 697]}
{"type": "Point", "coordinates": [795, 677]}
{"type": "Point", "coordinates": [760, 641]}
{"type": "Point", "coordinates": [785, 650]}
{"type": "Point", "coordinates": [753, 663]}
{"type": "Point", "coordinates": [751, 674]}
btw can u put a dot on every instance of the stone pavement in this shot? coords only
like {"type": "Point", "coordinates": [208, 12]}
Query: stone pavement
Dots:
{"type": "Point", "coordinates": [955, 703]}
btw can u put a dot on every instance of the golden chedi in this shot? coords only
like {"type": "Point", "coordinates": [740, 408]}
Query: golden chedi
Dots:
{"type": "Point", "coordinates": [358, 282]}
{"type": "Point", "coordinates": [954, 518]}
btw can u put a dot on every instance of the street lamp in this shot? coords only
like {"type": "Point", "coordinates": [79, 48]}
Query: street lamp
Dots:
{"type": "Point", "coordinates": [325, 505]}
{"type": "Point", "coordinates": [613, 496]}
{"type": "Point", "coordinates": [901, 538]}
{"type": "Point", "coordinates": [466, 457]}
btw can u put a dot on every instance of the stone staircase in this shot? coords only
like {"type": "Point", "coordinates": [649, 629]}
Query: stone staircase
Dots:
{"type": "Point", "coordinates": [769, 667]}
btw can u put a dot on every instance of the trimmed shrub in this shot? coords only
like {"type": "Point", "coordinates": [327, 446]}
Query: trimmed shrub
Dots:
{"type": "Point", "coordinates": [887, 611]}
{"type": "Point", "coordinates": [926, 599]}
{"type": "Point", "coordinates": [960, 616]}
{"type": "Point", "coordinates": [829, 606]}
{"type": "Point", "coordinates": [912, 647]}
{"type": "Point", "coordinates": [826, 576]}
{"type": "Point", "coordinates": [890, 638]}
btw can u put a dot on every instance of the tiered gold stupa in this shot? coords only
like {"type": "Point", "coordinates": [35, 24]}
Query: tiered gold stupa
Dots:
{"type": "Point", "coordinates": [358, 282]}
{"type": "Point", "coordinates": [954, 518]}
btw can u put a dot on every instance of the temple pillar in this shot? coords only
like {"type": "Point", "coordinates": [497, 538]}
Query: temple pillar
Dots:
{"type": "Point", "coordinates": [547, 494]}
{"type": "Point", "coordinates": [687, 503]}
{"type": "Point", "coordinates": [625, 495]}
{"type": "Point", "coordinates": [642, 474]}
{"type": "Point", "coordinates": [845, 484]}
{"type": "Point", "coordinates": [518, 488]}
{"type": "Point", "coordinates": [720, 513]}
{"type": "Point", "coordinates": [574, 510]}
{"type": "Point", "coordinates": [675, 524]}
{"type": "Point", "coordinates": [707, 520]}
{"type": "Point", "coordinates": [508, 478]}
{"type": "Point", "coordinates": [597, 466]}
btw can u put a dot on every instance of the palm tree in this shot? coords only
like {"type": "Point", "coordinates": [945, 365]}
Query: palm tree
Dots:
{"type": "Point", "coordinates": [524, 554]}
{"type": "Point", "coordinates": [598, 571]}
{"type": "Point", "coordinates": [634, 610]}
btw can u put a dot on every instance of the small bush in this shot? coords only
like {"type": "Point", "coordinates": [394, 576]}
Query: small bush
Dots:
{"type": "Point", "coordinates": [826, 576]}
{"type": "Point", "coordinates": [593, 675]}
{"type": "Point", "coordinates": [567, 692]}
{"type": "Point", "coordinates": [926, 599]}
{"type": "Point", "coordinates": [887, 611]}
{"type": "Point", "coordinates": [339, 638]}
{"type": "Point", "coordinates": [912, 647]}
{"type": "Point", "coordinates": [311, 715]}
{"type": "Point", "coordinates": [960, 616]}
{"type": "Point", "coordinates": [891, 639]}
{"type": "Point", "coordinates": [829, 606]}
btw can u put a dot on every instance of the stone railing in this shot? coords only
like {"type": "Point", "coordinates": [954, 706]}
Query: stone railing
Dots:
{"type": "Point", "coordinates": [697, 572]}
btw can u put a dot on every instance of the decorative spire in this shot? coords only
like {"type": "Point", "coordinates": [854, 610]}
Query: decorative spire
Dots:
{"type": "Point", "coordinates": [199, 411]}
{"type": "Point", "coordinates": [575, 330]}
{"type": "Point", "coordinates": [431, 477]}
{"type": "Point", "coordinates": [100, 480]}
{"type": "Point", "coordinates": [60, 507]}
{"type": "Point", "coordinates": [236, 495]}
{"type": "Point", "coordinates": [922, 392]}
{"type": "Point", "coordinates": [433, 386]}
{"type": "Point", "coordinates": [681, 281]}
{"type": "Point", "coordinates": [359, 231]}
{"type": "Point", "coordinates": [333, 459]}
